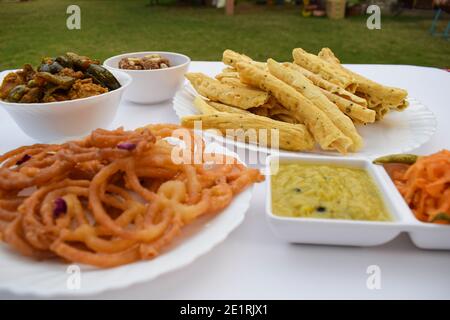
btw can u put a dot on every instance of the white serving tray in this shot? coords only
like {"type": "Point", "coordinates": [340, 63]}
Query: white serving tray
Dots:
{"type": "Point", "coordinates": [352, 232]}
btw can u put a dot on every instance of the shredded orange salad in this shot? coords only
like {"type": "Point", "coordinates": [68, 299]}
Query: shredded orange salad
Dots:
{"type": "Point", "coordinates": [425, 185]}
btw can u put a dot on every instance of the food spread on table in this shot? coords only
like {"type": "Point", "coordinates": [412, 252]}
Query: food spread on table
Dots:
{"type": "Point", "coordinates": [327, 192]}
{"type": "Point", "coordinates": [118, 196]}
{"type": "Point", "coordinates": [313, 99]}
{"type": "Point", "coordinates": [147, 62]}
{"type": "Point", "coordinates": [112, 198]}
{"type": "Point", "coordinates": [66, 77]}
{"type": "Point", "coordinates": [424, 183]}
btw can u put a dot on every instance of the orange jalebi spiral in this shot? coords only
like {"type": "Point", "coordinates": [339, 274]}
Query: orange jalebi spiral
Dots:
{"type": "Point", "coordinates": [112, 198]}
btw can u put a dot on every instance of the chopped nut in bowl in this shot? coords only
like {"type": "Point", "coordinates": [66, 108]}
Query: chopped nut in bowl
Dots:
{"type": "Point", "coordinates": [156, 75]}
{"type": "Point", "coordinates": [147, 62]}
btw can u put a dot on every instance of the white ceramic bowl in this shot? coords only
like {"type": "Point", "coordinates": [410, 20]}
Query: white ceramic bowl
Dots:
{"type": "Point", "coordinates": [153, 86]}
{"type": "Point", "coordinates": [60, 121]}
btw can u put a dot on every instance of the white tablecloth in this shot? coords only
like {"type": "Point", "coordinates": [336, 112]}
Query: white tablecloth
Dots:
{"type": "Point", "coordinates": [252, 264]}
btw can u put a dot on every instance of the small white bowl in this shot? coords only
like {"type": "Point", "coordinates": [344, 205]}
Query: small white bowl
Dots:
{"type": "Point", "coordinates": [153, 86]}
{"type": "Point", "coordinates": [60, 121]}
{"type": "Point", "coordinates": [336, 231]}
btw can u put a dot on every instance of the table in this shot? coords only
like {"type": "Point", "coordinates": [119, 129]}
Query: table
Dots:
{"type": "Point", "coordinates": [253, 264]}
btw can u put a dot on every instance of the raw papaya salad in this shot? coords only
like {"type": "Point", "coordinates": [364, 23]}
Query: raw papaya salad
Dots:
{"type": "Point", "coordinates": [424, 182]}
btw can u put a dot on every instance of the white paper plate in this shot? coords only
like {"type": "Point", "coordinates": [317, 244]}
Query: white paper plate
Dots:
{"type": "Point", "coordinates": [22, 275]}
{"type": "Point", "coordinates": [399, 132]}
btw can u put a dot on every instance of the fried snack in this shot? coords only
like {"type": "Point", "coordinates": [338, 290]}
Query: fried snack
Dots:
{"type": "Point", "coordinates": [352, 109]}
{"type": "Point", "coordinates": [210, 107]}
{"type": "Point", "coordinates": [291, 137]}
{"type": "Point", "coordinates": [235, 82]}
{"type": "Point", "coordinates": [327, 85]}
{"type": "Point", "coordinates": [261, 111]}
{"type": "Point", "coordinates": [380, 98]}
{"type": "Point", "coordinates": [279, 109]}
{"type": "Point", "coordinates": [229, 69]}
{"type": "Point", "coordinates": [314, 94]}
{"type": "Point", "coordinates": [212, 89]}
{"type": "Point", "coordinates": [225, 108]}
{"type": "Point", "coordinates": [228, 74]}
{"type": "Point", "coordinates": [203, 107]}
{"type": "Point", "coordinates": [275, 112]}
{"type": "Point", "coordinates": [322, 128]}
{"type": "Point", "coordinates": [112, 198]}
{"type": "Point", "coordinates": [232, 58]}
{"type": "Point", "coordinates": [328, 71]}
{"type": "Point", "coordinates": [284, 118]}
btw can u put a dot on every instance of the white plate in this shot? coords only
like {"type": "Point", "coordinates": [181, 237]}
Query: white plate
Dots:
{"type": "Point", "coordinates": [22, 275]}
{"type": "Point", "coordinates": [399, 132]}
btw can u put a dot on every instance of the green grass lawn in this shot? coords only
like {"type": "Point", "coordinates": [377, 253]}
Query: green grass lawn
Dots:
{"type": "Point", "coordinates": [30, 30]}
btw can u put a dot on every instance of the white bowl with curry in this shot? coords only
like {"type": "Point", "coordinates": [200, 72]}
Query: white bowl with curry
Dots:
{"type": "Point", "coordinates": [51, 122]}
{"type": "Point", "coordinates": [63, 97]}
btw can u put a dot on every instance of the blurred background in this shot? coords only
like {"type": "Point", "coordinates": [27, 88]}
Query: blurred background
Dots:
{"type": "Point", "coordinates": [412, 32]}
